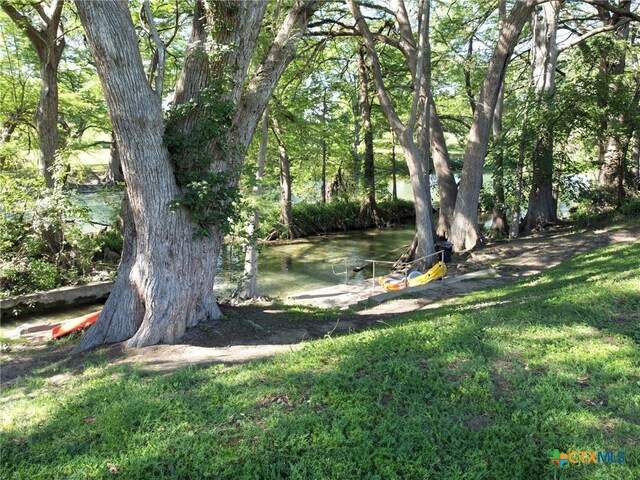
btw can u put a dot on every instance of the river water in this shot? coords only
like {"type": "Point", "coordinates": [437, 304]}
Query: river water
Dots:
{"type": "Point", "coordinates": [308, 263]}
{"type": "Point", "coordinates": [284, 268]}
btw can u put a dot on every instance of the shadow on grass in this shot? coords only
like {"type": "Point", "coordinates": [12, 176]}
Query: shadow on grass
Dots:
{"type": "Point", "coordinates": [464, 392]}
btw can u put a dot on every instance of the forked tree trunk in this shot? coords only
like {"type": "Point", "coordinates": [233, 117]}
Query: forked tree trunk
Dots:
{"type": "Point", "coordinates": [166, 276]}
{"type": "Point", "coordinates": [541, 210]}
{"type": "Point", "coordinates": [465, 231]}
{"type": "Point", "coordinates": [49, 43]}
{"type": "Point", "coordinates": [368, 215]}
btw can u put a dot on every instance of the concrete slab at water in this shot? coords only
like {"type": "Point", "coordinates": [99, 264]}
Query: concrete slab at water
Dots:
{"type": "Point", "coordinates": [363, 293]}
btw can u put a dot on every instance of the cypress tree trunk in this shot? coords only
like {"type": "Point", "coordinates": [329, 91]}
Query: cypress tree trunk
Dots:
{"type": "Point", "coordinates": [613, 147]}
{"type": "Point", "coordinates": [166, 276]}
{"type": "Point", "coordinates": [465, 232]}
{"type": "Point", "coordinates": [416, 151]}
{"type": "Point", "coordinates": [499, 223]}
{"type": "Point", "coordinates": [541, 210]}
{"type": "Point", "coordinates": [114, 173]}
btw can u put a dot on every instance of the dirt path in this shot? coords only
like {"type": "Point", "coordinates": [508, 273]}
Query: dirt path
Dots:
{"type": "Point", "coordinates": [257, 331]}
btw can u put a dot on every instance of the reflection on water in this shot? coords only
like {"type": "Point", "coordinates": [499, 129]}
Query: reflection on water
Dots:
{"type": "Point", "coordinates": [284, 268]}
{"type": "Point", "coordinates": [304, 264]}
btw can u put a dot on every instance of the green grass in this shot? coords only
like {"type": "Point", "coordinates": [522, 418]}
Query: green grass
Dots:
{"type": "Point", "coordinates": [487, 388]}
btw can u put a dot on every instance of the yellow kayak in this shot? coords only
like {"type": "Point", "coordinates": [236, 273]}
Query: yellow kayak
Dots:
{"type": "Point", "coordinates": [439, 270]}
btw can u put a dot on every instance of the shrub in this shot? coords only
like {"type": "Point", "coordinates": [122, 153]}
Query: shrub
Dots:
{"type": "Point", "coordinates": [42, 244]}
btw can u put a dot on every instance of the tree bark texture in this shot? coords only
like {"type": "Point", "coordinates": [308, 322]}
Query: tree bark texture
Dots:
{"type": "Point", "coordinates": [114, 173]}
{"type": "Point", "coordinates": [613, 146]}
{"type": "Point", "coordinates": [465, 232]}
{"type": "Point", "coordinates": [166, 276]}
{"type": "Point", "coordinates": [542, 206]}
{"type": "Point", "coordinates": [49, 43]}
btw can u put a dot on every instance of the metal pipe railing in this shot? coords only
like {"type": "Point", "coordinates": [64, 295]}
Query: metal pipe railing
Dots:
{"type": "Point", "coordinates": [406, 265]}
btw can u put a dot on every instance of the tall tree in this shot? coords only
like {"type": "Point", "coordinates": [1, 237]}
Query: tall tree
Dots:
{"type": "Point", "coordinates": [415, 146]}
{"type": "Point", "coordinates": [465, 231]}
{"type": "Point", "coordinates": [368, 209]}
{"type": "Point", "coordinates": [613, 146]}
{"type": "Point", "coordinates": [47, 38]}
{"type": "Point", "coordinates": [499, 221]}
{"type": "Point", "coordinates": [176, 220]}
{"type": "Point", "coordinates": [544, 25]}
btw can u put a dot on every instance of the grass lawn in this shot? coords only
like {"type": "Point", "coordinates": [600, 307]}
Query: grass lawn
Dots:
{"type": "Point", "coordinates": [487, 387]}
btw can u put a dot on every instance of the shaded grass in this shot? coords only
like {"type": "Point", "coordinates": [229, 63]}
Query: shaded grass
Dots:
{"type": "Point", "coordinates": [486, 388]}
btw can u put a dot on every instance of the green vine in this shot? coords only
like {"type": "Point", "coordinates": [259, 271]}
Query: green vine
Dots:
{"type": "Point", "coordinates": [207, 194]}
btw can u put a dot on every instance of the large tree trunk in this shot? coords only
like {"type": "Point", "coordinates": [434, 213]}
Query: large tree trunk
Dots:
{"type": "Point", "coordinates": [368, 209]}
{"type": "Point", "coordinates": [612, 148]}
{"type": "Point", "coordinates": [499, 222]}
{"type": "Point", "coordinates": [465, 232]}
{"type": "Point", "coordinates": [49, 43]}
{"type": "Point", "coordinates": [442, 165]}
{"type": "Point", "coordinates": [542, 206]}
{"type": "Point", "coordinates": [166, 277]}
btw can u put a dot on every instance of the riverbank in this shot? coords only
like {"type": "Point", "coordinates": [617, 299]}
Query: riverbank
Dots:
{"type": "Point", "coordinates": [491, 382]}
{"type": "Point", "coordinates": [260, 326]}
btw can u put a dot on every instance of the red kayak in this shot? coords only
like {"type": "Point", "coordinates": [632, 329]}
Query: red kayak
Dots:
{"type": "Point", "coordinates": [74, 324]}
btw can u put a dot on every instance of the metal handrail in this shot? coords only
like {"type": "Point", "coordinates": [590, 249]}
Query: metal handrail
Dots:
{"type": "Point", "coordinates": [407, 264]}
{"type": "Point", "coordinates": [346, 268]}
